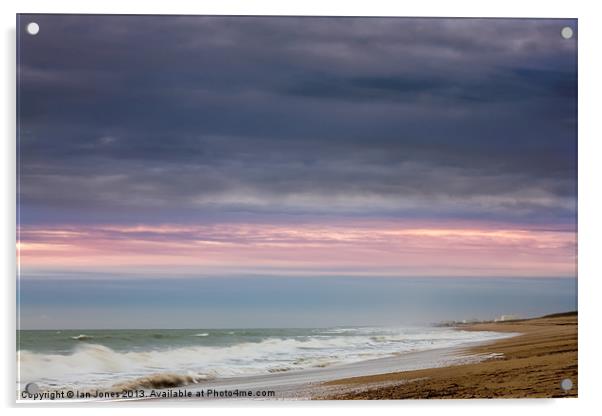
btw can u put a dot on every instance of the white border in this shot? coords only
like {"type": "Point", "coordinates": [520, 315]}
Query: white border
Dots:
{"type": "Point", "coordinates": [590, 205]}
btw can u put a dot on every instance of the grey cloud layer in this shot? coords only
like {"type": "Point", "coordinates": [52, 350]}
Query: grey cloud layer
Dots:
{"type": "Point", "coordinates": [178, 117]}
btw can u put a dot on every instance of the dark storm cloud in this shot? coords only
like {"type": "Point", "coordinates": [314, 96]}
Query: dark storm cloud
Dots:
{"type": "Point", "coordinates": [177, 117]}
{"type": "Point", "coordinates": [507, 85]}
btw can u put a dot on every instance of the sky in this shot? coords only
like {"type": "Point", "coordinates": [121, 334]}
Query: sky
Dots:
{"type": "Point", "coordinates": [157, 149]}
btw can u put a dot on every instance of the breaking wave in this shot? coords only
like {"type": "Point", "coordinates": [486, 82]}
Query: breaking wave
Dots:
{"type": "Point", "coordinates": [82, 337]}
{"type": "Point", "coordinates": [92, 365]}
{"type": "Point", "coordinates": [158, 381]}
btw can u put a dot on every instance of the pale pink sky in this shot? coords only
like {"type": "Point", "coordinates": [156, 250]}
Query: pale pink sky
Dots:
{"type": "Point", "coordinates": [379, 248]}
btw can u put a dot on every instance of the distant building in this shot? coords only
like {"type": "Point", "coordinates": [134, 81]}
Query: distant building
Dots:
{"type": "Point", "coordinates": [507, 318]}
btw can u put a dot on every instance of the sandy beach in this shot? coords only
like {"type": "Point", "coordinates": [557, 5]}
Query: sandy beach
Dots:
{"type": "Point", "coordinates": [532, 364]}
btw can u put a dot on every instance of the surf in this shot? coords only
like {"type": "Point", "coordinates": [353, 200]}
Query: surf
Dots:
{"type": "Point", "coordinates": [140, 359]}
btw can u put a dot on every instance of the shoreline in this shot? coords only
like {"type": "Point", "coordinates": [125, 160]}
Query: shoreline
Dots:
{"type": "Point", "coordinates": [312, 384]}
{"type": "Point", "coordinates": [309, 384]}
{"type": "Point", "coordinates": [530, 361]}
{"type": "Point", "coordinates": [529, 365]}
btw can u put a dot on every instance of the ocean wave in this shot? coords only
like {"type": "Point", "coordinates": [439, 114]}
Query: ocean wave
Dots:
{"type": "Point", "coordinates": [204, 334]}
{"type": "Point", "coordinates": [94, 365]}
{"type": "Point", "coordinates": [337, 330]}
{"type": "Point", "coordinates": [159, 381]}
{"type": "Point", "coordinates": [82, 337]}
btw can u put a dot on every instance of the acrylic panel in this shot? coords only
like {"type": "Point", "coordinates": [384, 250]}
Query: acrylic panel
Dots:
{"type": "Point", "coordinates": [264, 207]}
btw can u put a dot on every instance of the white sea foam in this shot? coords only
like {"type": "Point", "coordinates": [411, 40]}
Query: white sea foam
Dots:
{"type": "Point", "coordinates": [81, 337]}
{"type": "Point", "coordinates": [94, 365]}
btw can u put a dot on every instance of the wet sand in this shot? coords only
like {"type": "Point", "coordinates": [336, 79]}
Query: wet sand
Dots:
{"type": "Point", "coordinates": [532, 364]}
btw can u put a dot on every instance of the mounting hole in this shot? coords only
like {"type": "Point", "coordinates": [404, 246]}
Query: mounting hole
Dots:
{"type": "Point", "coordinates": [566, 32]}
{"type": "Point", "coordinates": [566, 384]}
{"type": "Point", "coordinates": [33, 28]}
{"type": "Point", "coordinates": [32, 388]}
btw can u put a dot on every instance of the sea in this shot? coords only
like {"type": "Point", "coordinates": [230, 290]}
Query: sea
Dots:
{"type": "Point", "coordinates": [105, 359]}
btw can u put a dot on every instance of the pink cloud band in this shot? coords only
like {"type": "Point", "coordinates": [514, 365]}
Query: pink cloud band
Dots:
{"type": "Point", "coordinates": [365, 248]}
